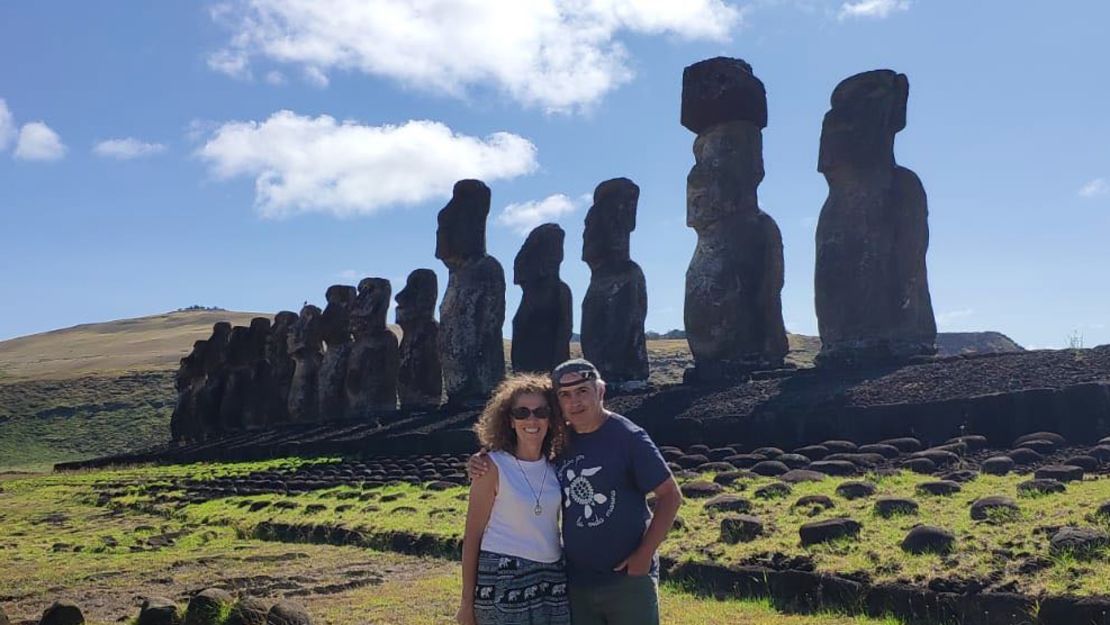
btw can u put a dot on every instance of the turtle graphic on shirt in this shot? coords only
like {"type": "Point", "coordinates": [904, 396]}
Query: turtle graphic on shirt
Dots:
{"type": "Point", "coordinates": [579, 490]}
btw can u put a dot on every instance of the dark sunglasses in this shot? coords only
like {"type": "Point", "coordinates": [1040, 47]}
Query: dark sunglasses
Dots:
{"type": "Point", "coordinates": [523, 412]}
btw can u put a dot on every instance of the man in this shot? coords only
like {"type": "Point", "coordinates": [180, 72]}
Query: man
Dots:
{"type": "Point", "coordinates": [609, 535]}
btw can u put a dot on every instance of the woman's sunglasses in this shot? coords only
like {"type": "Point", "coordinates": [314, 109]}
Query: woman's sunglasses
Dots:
{"type": "Point", "coordinates": [523, 412]}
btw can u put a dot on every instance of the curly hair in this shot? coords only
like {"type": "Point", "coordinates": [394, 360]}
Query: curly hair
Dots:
{"type": "Point", "coordinates": [494, 427]}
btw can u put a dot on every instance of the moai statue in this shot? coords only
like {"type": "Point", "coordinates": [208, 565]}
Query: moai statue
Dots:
{"type": "Point", "coordinates": [872, 289]}
{"type": "Point", "coordinates": [211, 394]}
{"type": "Point", "coordinates": [371, 383]}
{"type": "Point", "coordinates": [471, 348]}
{"type": "Point", "coordinates": [306, 347]}
{"type": "Point", "coordinates": [260, 403]}
{"type": "Point", "coordinates": [282, 364]}
{"type": "Point", "coordinates": [237, 380]}
{"type": "Point", "coordinates": [420, 377]}
{"type": "Point", "coordinates": [335, 326]}
{"type": "Point", "coordinates": [615, 305]}
{"type": "Point", "coordinates": [184, 424]}
{"type": "Point", "coordinates": [543, 322]}
{"type": "Point", "coordinates": [733, 307]}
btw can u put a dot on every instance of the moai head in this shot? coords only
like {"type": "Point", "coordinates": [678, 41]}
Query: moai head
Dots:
{"type": "Point", "coordinates": [867, 110]}
{"type": "Point", "coordinates": [335, 323]}
{"type": "Point", "coordinates": [260, 335]}
{"type": "Point", "coordinates": [461, 235]}
{"type": "Point", "coordinates": [304, 336]}
{"type": "Point", "coordinates": [239, 346]}
{"type": "Point", "coordinates": [727, 171]}
{"type": "Point", "coordinates": [541, 254]}
{"type": "Point", "coordinates": [371, 305]}
{"type": "Point", "coordinates": [720, 90]}
{"type": "Point", "coordinates": [276, 344]}
{"type": "Point", "coordinates": [417, 301]}
{"type": "Point", "coordinates": [216, 352]}
{"type": "Point", "coordinates": [610, 222]}
{"type": "Point", "coordinates": [192, 365]}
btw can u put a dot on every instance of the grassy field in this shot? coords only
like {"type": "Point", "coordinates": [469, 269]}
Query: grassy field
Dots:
{"type": "Point", "coordinates": [57, 540]}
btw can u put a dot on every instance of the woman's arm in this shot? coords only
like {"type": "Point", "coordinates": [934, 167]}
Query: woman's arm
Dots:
{"type": "Point", "coordinates": [483, 490]}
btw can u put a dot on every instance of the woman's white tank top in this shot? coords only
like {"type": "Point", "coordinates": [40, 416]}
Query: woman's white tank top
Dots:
{"type": "Point", "coordinates": [514, 528]}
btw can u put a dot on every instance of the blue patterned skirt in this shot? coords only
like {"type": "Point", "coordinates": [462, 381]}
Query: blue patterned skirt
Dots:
{"type": "Point", "coordinates": [515, 591]}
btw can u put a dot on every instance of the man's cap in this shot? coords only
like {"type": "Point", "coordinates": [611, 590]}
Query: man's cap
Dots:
{"type": "Point", "coordinates": [580, 366]}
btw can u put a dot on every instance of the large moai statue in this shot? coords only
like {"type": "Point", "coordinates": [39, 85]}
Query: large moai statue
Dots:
{"type": "Point", "coordinates": [282, 364]}
{"type": "Point", "coordinates": [335, 327]}
{"type": "Point", "coordinates": [211, 394]}
{"type": "Point", "coordinates": [872, 290]}
{"type": "Point", "coordinates": [420, 377]}
{"type": "Point", "coordinates": [543, 322]}
{"type": "Point", "coordinates": [262, 392]}
{"type": "Point", "coordinates": [473, 310]}
{"type": "Point", "coordinates": [371, 382]}
{"type": "Point", "coordinates": [615, 305]}
{"type": "Point", "coordinates": [184, 423]}
{"type": "Point", "coordinates": [733, 307]}
{"type": "Point", "coordinates": [306, 348]}
{"type": "Point", "coordinates": [237, 379]}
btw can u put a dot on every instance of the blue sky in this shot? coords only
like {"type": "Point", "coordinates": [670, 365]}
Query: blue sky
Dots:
{"type": "Point", "coordinates": [248, 155]}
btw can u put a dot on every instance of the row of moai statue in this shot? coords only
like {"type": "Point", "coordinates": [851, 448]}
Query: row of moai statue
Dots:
{"type": "Point", "coordinates": [872, 297]}
{"type": "Point", "coordinates": [344, 363]}
{"type": "Point", "coordinates": [871, 286]}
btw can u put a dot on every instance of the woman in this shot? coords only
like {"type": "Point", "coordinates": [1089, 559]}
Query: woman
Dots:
{"type": "Point", "coordinates": [512, 555]}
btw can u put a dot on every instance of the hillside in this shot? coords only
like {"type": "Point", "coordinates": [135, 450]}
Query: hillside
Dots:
{"type": "Point", "coordinates": [104, 388]}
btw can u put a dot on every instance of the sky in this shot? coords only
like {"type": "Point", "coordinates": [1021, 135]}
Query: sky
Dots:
{"type": "Point", "coordinates": [247, 155]}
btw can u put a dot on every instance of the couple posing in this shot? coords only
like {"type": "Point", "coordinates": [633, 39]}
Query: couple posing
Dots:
{"type": "Point", "coordinates": [556, 454]}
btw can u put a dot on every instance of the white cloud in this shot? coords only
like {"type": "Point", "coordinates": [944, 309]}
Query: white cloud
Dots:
{"type": "Point", "coordinates": [877, 9]}
{"type": "Point", "coordinates": [125, 149]}
{"type": "Point", "coordinates": [7, 126]}
{"type": "Point", "coordinates": [1095, 188]}
{"type": "Point", "coordinates": [274, 77]}
{"type": "Point", "coordinates": [351, 275]}
{"type": "Point", "coordinates": [302, 164]}
{"type": "Point", "coordinates": [524, 216]}
{"type": "Point", "coordinates": [947, 319]}
{"type": "Point", "coordinates": [560, 55]}
{"type": "Point", "coordinates": [37, 142]}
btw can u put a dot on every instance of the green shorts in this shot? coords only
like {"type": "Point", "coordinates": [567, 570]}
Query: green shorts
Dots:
{"type": "Point", "coordinates": [632, 600]}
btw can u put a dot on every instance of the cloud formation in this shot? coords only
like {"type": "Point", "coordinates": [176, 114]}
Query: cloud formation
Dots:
{"type": "Point", "coordinates": [7, 126]}
{"type": "Point", "coordinates": [1095, 188]}
{"type": "Point", "coordinates": [303, 164]}
{"type": "Point", "coordinates": [559, 55]}
{"type": "Point", "coordinates": [38, 142]}
{"type": "Point", "coordinates": [125, 149]}
{"type": "Point", "coordinates": [947, 319]}
{"type": "Point", "coordinates": [874, 9]}
{"type": "Point", "coordinates": [524, 216]}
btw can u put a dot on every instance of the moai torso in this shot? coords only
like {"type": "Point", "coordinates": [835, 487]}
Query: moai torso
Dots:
{"type": "Point", "coordinates": [282, 365]}
{"type": "Point", "coordinates": [335, 327]}
{"type": "Point", "coordinates": [184, 424]}
{"type": "Point", "coordinates": [733, 306]}
{"type": "Point", "coordinates": [233, 403]}
{"type": "Point", "coordinates": [306, 348]}
{"type": "Point", "coordinates": [371, 383]}
{"type": "Point", "coordinates": [871, 284]}
{"type": "Point", "coordinates": [615, 305]}
{"type": "Point", "coordinates": [259, 405]}
{"type": "Point", "coordinates": [215, 376]}
{"type": "Point", "coordinates": [543, 322]}
{"type": "Point", "coordinates": [473, 310]}
{"type": "Point", "coordinates": [419, 377]}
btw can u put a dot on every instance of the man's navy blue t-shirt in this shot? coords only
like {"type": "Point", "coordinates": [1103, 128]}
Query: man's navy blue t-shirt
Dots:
{"type": "Point", "coordinates": [605, 476]}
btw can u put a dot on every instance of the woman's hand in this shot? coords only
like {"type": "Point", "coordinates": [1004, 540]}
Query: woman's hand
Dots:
{"type": "Point", "coordinates": [465, 615]}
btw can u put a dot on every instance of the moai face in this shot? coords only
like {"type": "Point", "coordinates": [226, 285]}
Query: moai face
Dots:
{"type": "Point", "coordinates": [868, 109]}
{"type": "Point", "coordinates": [239, 345]}
{"type": "Point", "coordinates": [727, 171]}
{"type": "Point", "coordinates": [541, 254]}
{"type": "Point", "coordinates": [304, 335]}
{"type": "Point", "coordinates": [417, 301]}
{"type": "Point", "coordinates": [461, 234]}
{"type": "Point", "coordinates": [260, 335]}
{"type": "Point", "coordinates": [373, 301]}
{"type": "Point", "coordinates": [276, 344]}
{"type": "Point", "coordinates": [610, 222]}
{"type": "Point", "coordinates": [335, 322]}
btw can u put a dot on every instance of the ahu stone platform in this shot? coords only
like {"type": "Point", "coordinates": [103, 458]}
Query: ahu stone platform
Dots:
{"type": "Point", "coordinates": [999, 396]}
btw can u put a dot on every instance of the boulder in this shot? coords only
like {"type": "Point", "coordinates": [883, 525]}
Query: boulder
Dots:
{"type": "Point", "coordinates": [827, 530]}
{"type": "Point", "coordinates": [728, 503]}
{"type": "Point", "coordinates": [928, 539]}
{"type": "Point", "coordinates": [994, 506]}
{"type": "Point", "coordinates": [940, 487]}
{"type": "Point", "coordinates": [837, 468]}
{"type": "Point", "coordinates": [886, 451]}
{"type": "Point", "coordinates": [797, 476]}
{"type": "Point", "coordinates": [1082, 542]}
{"type": "Point", "coordinates": [700, 489]}
{"type": "Point", "coordinates": [287, 613]}
{"type": "Point", "coordinates": [1024, 455]}
{"type": "Point", "coordinates": [890, 506]}
{"type": "Point", "coordinates": [855, 490]}
{"type": "Point", "coordinates": [924, 466]}
{"type": "Point", "coordinates": [998, 465]}
{"type": "Point", "coordinates": [773, 490]}
{"type": "Point", "coordinates": [813, 452]}
{"type": "Point", "coordinates": [1045, 436]}
{"type": "Point", "coordinates": [1040, 486]}
{"type": "Point", "coordinates": [248, 611]}
{"type": "Point", "coordinates": [814, 501]}
{"type": "Point", "coordinates": [905, 444]}
{"type": "Point", "coordinates": [160, 611]}
{"type": "Point", "coordinates": [1059, 472]}
{"type": "Point", "coordinates": [769, 468]}
{"type": "Point", "coordinates": [62, 612]}
{"type": "Point", "coordinates": [208, 607]}
{"type": "Point", "coordinates": [741, 528]}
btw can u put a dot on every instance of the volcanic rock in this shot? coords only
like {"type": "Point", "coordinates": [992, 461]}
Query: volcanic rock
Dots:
{"type": "Point", "coordinates": [773, 490]}
{"type": "Point", "coordinates": [543, 322]}
{"type": "Point", "coordinates": [698, 489]}
{"type": "Point", "coordinates": [827, 530]}
{"type": "Point", "coordinates": [797, 476]}
{"type": "Point", "coordinates": [207, 606]}
{"type": "Point", "coordinates": [942, 487]}
{"type": "Point", "coordinates": [984, 507]}
{"type": "Point", "coordinates": [1041, 486]}
{"type": "Point", "coordinates": [741, 528]}
{"type": "Point", "coordinates": [998, 465]}
{"type": "Point", "coordinates": [1082, 542]}
{"type": "Point", "coordinates": [855, 490]}
{"type": "Point", "coordinates": [728, 503]}
{"type": "Point", "coordinates": [287, 613]}
{"type": "Point", "coordinates": [890, 506]}
{"type": "Point", "coordinates": [62, 613]}
{"type": "Point", "coordinates": [1059, 472]}
{"type": "Point", "coordinates": [928, 539]}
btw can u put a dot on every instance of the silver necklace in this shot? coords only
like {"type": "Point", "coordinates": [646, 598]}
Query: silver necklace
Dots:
{"type": "Point", "coordinates": [538, 510]}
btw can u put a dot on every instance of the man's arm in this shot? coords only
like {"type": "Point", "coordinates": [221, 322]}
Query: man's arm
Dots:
{"type": "Point", "coordinates": [668, 498]}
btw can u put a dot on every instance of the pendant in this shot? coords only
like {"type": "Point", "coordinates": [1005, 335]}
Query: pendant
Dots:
{"type": "Point", "coordinates": [538, 510]}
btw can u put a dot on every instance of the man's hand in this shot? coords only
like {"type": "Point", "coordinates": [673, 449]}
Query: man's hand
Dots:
{"type": "Point", "coordinates": [477, 465]}
{"type": "Point", "coordinates": [637, 564]}
{"type": "Point", "coordinates": [465, 615]}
